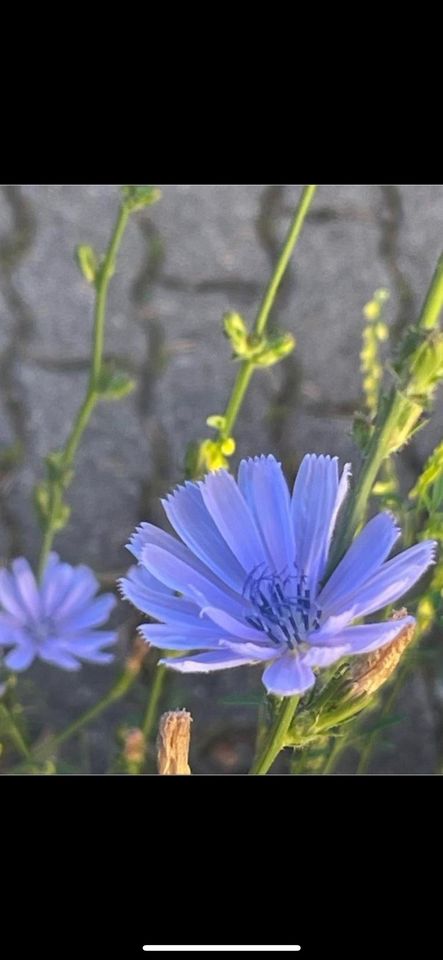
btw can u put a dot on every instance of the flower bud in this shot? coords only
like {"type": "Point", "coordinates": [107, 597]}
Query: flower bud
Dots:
{"type": "Point", "coordinates": [87, 261]}
{"type": "Point", "coordinates": [135, 197]}
{"type": "Point", "coordinates": [275, 350]}
{"type": "Point", "coordinates": [426, 365]}
{"type": "Point", "coordinates": [134, 747]}
{"type": "Point", "coordinates": [137, 655]}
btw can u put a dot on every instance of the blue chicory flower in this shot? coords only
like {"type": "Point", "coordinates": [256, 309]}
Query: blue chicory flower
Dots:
{"type": "Point", "coordinates": [56, 619]}
{"type": "Point", "coordinates": [250, 569]}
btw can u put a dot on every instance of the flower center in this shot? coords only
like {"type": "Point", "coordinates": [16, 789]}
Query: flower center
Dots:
{"type": "Point", "coordinates": [282, 607]}
{"type": "Point", "coordinates": [44, 630]}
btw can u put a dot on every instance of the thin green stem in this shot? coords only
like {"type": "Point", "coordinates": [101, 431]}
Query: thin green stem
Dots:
{"type": "Point", "coordinates": [433, 304]}
{"type": "Point", "coordinates": [14, 733]}
{"type": "Point", "coordinates": [119, 689]}
{"type": "Point", "coordinates": [276, 739]}
{"type": "Point", "coordinates": [59, 485]}
{"type": "Point", "coordinates": [153, 702]}
{"type": "Point", "coordinates": [247, 367]}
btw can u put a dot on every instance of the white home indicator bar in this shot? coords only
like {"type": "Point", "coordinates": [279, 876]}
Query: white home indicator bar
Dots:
{"type": "Point", "coordinates": [242, 948]}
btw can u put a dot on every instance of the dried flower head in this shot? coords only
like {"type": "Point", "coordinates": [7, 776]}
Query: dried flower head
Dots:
{"type": "Point", "coordinates": [369, 672]}
{"type": "Point", "coordinates": [173, 743]}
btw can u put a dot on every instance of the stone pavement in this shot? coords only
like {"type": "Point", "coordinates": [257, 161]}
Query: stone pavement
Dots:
{"type": "Point", "coordinates": [202, 250]}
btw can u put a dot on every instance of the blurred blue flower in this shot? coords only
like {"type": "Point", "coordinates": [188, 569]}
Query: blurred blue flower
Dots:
{"type": "Point", "coordinates": [56, 619]}
{"type": "Point", "coordinates": [250, 569]}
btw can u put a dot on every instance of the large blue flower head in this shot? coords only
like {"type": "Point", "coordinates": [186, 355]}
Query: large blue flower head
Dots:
{"type": "Point", "coordinates": [245, 585]}
{"type": "Point", "coordinates": [55, 620]}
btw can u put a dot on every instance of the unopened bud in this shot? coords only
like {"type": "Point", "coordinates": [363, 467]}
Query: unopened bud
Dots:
{"type": "Point", "coordinates": [426, 365]}
{"type": "Point", "coordinates": [275, 350]}
{"type": "Point", "coordinates": [134, 747]}
{"type": "Point", "coordinates": [137, 655]}
{"type": "Point", "coordinates": [136, 197]}
{"type": "Point", "coordinates": [173, 743]}
{"type": "Point", "coordinates": [88, 262]}
{"type": "Point", "coordinates": [235, 328]}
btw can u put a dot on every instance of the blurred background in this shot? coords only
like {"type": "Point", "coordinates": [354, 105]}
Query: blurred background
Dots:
{"type": "Point", "coordinates": [202, 250]}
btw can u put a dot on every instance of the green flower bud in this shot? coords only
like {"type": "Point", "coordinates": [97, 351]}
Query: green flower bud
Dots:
{"type": "Point", "coordinates": [114, 385]}
{"type": "Point", "coordinates": [137, 197]}
{"type": "Point", "coordinates": [275, 350]}
{"type": "Point", "coordinates": [87, 261]}
{"type": "Point", "coordinates": [426, 366]}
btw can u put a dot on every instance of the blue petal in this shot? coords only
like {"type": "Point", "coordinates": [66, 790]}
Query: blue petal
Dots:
{"type": "Point", "coordinates": [141, 537]}
{"type": "Point", "coordinates": [163, 606]}
{"type": "Point", "coordinates": [27, 588]}
{"type": "Point", "coordinates": [167, 637]}
{"type": "Point", "coordinates": [287, 676]}
{"type": "Point", "coordinates": [233, 518]}
{"type": "Point", "coordinates": [10, 631]}
{"type": "Point", "coordinates": [22, 656]}
{"type": "Point", "coordinates": [342, 492]}
{"type": "Point", "coordinates": [265, 490]}
{"type": "Point", "coordinates": [371, 636]}
{"type": "Point", "coordinates": [249, 650]}
{"type": "Point", "coordinates": [364, 557]}
{"type": "Point", "coordinates": [233, 626]}
{"type": "Point", "coordinates": [92, 614]}
{"type": "Point", "coordinates": [56, 581]}
{"type": "Point", "coordinates": [87, 640]}
{"type": "Point", "coordinates": [206, 662]}
{"type": "Point", "coordinates": [187, 513]}
{"type": "Point", "coordinates": [10, 598]}
{"type": "Point", "coordinates": [82, 587]}
{"type": "Point", "coordinates": [325, 656]}
{"type": "Point", "coordinates": [313, 509]}
{"type": "Point", "coordinates": [391, 581]}
{"type": "Point", "coordinates": [181, 571]}
{"type": "Point", "coordinates": [59, 657]}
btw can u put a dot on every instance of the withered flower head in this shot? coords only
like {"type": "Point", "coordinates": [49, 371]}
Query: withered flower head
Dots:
{"type": "Point", "coordinates": [371, 670]}
{"type": "Point", "coordinates": [173, 743]}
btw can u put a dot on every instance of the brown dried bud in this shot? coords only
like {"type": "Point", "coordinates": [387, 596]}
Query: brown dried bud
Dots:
{"type": "Point", "coordinates": [134, 747]}
{"type": "Point", "coordinates": [173, 743]}
{"type": "Point", "coordinates": [137, 655]}
{"type": "Point", "coordinates": [369, 671]}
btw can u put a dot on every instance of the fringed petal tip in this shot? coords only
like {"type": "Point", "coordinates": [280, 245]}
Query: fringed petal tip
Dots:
{"type": "Point", "coordinates": [433, 544]}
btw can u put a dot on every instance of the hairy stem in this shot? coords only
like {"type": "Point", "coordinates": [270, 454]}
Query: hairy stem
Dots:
{"type": "Point", "coordinates": [276, 738]}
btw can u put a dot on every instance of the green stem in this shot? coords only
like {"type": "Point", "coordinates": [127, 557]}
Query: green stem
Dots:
{"type": "Point", "coordinates": [120, 688]}
{"type": "Point", "coordinates": [276, 739]}
{"type": "Point", "coordinates": [338, 746]}
{"type": "Point", "coordinates": [247, 367]}
{"type": "Point", "coordinates": [58, 487]}
{"type": "Point", "coordinates": [14, 733]}
{"type": "Point", "coordinates": [433, 304]}
{"type": "Point", "coordinates": [153, 702]}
